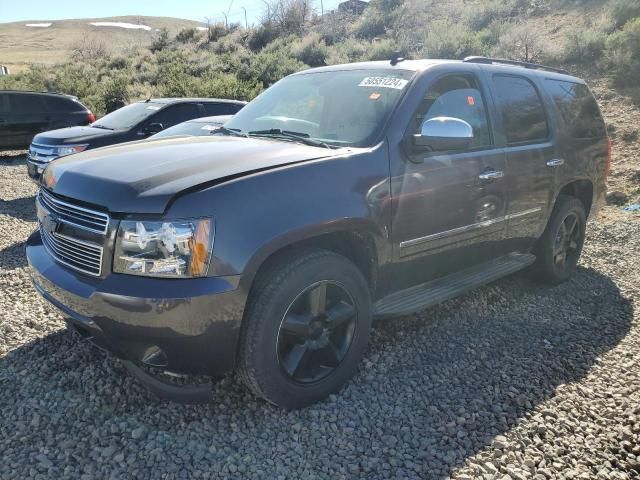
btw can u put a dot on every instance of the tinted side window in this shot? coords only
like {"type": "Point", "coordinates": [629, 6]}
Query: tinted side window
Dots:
{"type": "Point", "coordinates": [221, 108]}
{"type": "Point", "coordinates": [175, 114]}
{"type": "Point", "coordinates": [4, 103]}
{"type": "Point", "coordinates": [62, 105]}
{"type": "Point", "coordinates": [457, 96]}
{"type": "Point", "coordinates": [26, 104]}
{"type": "Point", "coordinates": [522, 110]}
{"type": "Point", "coordinates": [578, 109]}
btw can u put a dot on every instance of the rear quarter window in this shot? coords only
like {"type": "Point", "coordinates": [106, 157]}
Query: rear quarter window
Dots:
{"type": "Point", "coordinates": [221, 108]}
{"type": "Point", "coordinates": [578, 108]}
{"type": "Point", "coordinates": [63, 105]}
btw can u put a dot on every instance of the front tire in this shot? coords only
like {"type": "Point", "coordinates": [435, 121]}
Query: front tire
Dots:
{"type": "Point", "coordinates": [305, 330]}
{"type": "Point", "coordinates": [559, 248]}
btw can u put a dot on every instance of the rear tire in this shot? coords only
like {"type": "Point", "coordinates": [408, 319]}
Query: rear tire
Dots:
{"type": "Point", "coordinates": [305, 329]}
{"type": "Point", "coordinates": [558, 249]}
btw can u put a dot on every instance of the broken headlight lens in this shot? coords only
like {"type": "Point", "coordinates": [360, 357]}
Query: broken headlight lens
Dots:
{"type": "Point", "coordinates": [177, 249]}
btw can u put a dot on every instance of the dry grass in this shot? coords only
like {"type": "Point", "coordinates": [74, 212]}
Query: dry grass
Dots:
{"type": "Point", "coordinates": [21, 46]}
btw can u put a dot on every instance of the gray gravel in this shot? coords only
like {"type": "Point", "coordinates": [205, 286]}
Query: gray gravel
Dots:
{"type": "Point", "coordinates": [512, 381]}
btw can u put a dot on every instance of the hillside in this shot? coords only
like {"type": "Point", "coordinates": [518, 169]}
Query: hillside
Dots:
{"type": "Point", "coordinates": [49, 42]}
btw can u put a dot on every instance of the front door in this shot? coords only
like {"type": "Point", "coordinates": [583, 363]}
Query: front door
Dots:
{"type": "Point", "coordinates": [448, 206]}
{"type": "Point", "coordinates": [531, 157]}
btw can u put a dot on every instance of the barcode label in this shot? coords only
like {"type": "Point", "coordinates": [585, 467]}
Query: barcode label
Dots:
{"type": "Point", "coordinates": [384, 82]}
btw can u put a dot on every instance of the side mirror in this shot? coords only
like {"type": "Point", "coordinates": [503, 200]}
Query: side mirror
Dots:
{"type": "Point", "coordinates": [444, 134]}
{"type": "Point", "coordinates": [151, 129]}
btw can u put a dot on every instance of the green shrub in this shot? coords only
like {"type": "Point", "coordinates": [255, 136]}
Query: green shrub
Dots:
{"type": "Point", "coordinates": [623, 53]}
{"type": "Point", "coordinates": [522, 42]}
{"type": "Point", "coordinates": [116, 93]}
{"type": "Point", "coordinates": [624, 10]}
{"type": "Point", "coordinates": [161, 41]}
{"type": "Point", "coordinates": [188, 35]}
{"type": "Point", "coordinates": [583, 46]}
{"type": "Point", "coordinates": [311, 50]}
{"type": "Point", "coordinates": [448, 39]}
{"type": "Point", "coordinates": [262, 36]}
{"type": "Point", "coordinates": [482, 15]}
{"type": "Point", "coordinates": [371, 24]}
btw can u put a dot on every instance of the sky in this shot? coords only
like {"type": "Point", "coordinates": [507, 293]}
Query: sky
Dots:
{"type": "Point", "coordinates": [13, 11]}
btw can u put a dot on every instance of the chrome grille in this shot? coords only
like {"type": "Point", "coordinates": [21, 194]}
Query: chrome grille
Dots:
{"type": "Point", "coordinates": [42, 154]}
{"type": "Point", "coordinates": [73, 214]}
{"type": "Point", "coordinates": [79, 255]}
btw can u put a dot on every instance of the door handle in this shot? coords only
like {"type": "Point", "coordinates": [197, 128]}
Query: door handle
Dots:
{"type": "Point", "coordinates": [556, 162]}
{"type": "Point", "coordinates": [492, 175]}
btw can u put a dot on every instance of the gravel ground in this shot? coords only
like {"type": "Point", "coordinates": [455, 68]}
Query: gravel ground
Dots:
{"type": "Point", "coordinates": [512, 381]}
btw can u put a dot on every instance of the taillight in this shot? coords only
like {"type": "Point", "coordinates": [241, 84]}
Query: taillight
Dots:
{"type": "Point", "coordinates": [608, 167]}
{"type": "Point", "coordinates": [91, 117]}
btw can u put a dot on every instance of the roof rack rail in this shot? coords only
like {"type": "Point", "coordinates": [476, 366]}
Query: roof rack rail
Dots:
{"type": "Point", "coordinates": [533, 66]}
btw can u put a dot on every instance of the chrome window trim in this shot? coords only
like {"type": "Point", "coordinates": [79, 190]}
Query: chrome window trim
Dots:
{"type": "Point", "coordinates": [467, 228]}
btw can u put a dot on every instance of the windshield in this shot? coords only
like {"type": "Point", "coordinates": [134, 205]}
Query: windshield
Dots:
{"type": "Point", "coordinates": [339, 108]}
{"type": "Point", "coordinates": [193, 129]}
{"type": "Point", "coordinates": [127, 117]}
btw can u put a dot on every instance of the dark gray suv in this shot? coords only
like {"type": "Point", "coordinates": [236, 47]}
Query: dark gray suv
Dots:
{"type": "Point", "coordinates": [340, 195]}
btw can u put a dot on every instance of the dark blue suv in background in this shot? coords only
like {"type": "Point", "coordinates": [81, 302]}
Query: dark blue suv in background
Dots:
{"type": "Point", "coordinates": [136, 121]}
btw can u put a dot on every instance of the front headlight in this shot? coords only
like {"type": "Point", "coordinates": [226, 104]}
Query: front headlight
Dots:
{"type": "Point", "coordinates": [178, 249]}
{"type": "Point", "coordinates": [70, 149]}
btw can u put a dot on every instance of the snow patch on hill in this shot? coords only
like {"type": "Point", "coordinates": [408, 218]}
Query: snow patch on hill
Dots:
{"type": "Point", "coordinates": [121, 25]}
{"type": "Point", "coordinates": [38, 25]}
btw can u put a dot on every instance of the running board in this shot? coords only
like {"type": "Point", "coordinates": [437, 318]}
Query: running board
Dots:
{"type": "Point", "coordinates": [436, 291]}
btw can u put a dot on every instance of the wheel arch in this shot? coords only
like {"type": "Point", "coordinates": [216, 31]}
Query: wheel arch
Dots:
{"type": "Point", "coordinates": [355, 240]}
{"type": "Point", "coordinates": [582, 189]}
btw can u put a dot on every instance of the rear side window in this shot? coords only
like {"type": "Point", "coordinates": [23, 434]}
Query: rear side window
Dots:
{"type": "Point", "coordinates": [62, 105]}
{"type": "Point", "coordinates": [26, 104]}
{"type": "Point", "coordinates": [175, 114]}
{"type": "Point", "coordinates": [221, 108]}
{"type": "Point", "coordinates": [578, 108]}
{"type": "Point", "coordinates": [522, 110]}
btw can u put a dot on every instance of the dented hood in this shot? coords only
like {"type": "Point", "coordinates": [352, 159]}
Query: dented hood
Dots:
{"type": "Point", "coordinates": [142, 177]}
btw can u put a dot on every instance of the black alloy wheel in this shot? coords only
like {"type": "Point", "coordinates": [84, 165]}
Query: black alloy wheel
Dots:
{"type": "Point", "coordinates": [316, 332]}
{"type": "Point", "coordinates": [306, 328]}
{"type": "Point", "coordinates": [558, 249]}
{"type": "Point", "coordinates": [567, 242]}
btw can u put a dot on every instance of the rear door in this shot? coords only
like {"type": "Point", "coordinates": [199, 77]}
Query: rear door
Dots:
{"type": "Point", "coordinates": [448, 207]}
{"type": "Point", "coordinates": [526, 133]}
{"type": "Point", "coordinates": [29, 116]}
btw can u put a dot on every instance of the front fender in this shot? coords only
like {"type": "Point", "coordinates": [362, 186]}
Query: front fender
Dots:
{"type": "Point", "coordinates": [259, 214]}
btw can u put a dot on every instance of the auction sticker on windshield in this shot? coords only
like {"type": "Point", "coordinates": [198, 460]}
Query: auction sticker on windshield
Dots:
{"type": "Point", "coordinates": [384, 82]}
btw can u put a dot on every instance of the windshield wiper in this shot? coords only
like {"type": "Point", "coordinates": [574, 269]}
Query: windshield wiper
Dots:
{"type": "Point", "coordinates": [229, 131]}
{"type": "Point", "coordinates": [298, 136]}
{"type": "Point", "coordinates": [101, 127]}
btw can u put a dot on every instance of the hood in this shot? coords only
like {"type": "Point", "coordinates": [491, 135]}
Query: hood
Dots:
{"type": "Point", "coordinates": [142, 177]}
{"type": "Point", "coordinates": [72, 135]}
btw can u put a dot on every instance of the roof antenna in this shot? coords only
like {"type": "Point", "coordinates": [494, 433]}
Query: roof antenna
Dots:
{"type": "Point", "coordinates": [396, 58]}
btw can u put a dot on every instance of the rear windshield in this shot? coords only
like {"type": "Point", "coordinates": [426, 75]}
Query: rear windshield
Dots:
{"type": "Point", "coordinates": [126, 117]}
{"type": "Point", "coordinates": [192, 129]}
{"type": "Point", "coordinates": [578, 108]}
